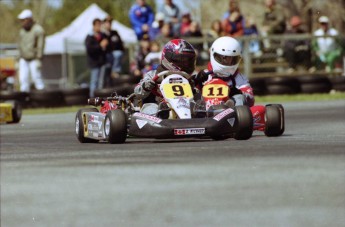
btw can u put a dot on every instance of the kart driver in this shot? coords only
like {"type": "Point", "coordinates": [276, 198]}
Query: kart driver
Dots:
{"type": "Point", "coordinates": [177, 55]}
{"type": "Point", "coordinates": [225, 58]}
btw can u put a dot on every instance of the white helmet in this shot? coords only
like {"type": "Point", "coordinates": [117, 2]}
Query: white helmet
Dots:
{"type": "Point", "coordinates": [226, 55]}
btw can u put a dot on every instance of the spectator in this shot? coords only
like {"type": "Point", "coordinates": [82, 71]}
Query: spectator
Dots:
{"type": "Point", "coordinates": [233, 25]}
{"type": "Point", "coordinates": [216, 29]}
{"type": "Point", "coordinates": [152, 59]}
{"type": "Point", "coordinates": [233, 6]}
{"type": "Point", "coordinates": [171, 14]}
{"type": "Point", "coordinates": [185, 23]}
{"type": "Point", "coordinates": [141, 16]}
{"type": "Point", "coordinates": [195, 31]}
{"type": "Point", "coordinates": [115, 51]}
{"type": "Point", "coordinates": [156, 29]}
{"type": "Point", "coordinates": [250, 29]}
{"type": "Point", "coordinates": [31, 46]}
{"type": "Point", "coordinates": [96, 44]}
{"type": "Point", "coordinates": [327, 49]}
{"type": "Point", "coordinates": [273, 21]}
{"type": "Point", "coordinates": [297, 52]}
{"type": "Point", "coordinates": [166, 31]}
{"type": "Point", "coordinates": [140, 54]}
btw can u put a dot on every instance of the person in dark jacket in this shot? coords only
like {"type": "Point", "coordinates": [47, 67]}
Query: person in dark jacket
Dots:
{"type": "Point", "coordinates": [115, 52]}
{"type": "Point", "coordinates": [297, 52]}
{"type": "Point", "coordinates": [96, 44]}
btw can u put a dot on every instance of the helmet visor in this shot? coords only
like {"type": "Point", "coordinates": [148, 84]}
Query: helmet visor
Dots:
{"type": "Point", "coordinates": [186, 62]}
{"type": "Point", "coordinates": [227, 60]}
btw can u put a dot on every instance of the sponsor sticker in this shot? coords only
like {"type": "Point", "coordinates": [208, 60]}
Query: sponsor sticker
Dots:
{"type": "Point", "coordinates": [148, 117]}
{"type": "Point", "coordinates": [92, 127]}
{"type": "Point", "coordinates": [221, 115]}
{"type": "Point", "coordinates": [141, 123]}
{"type": "Point", "coordinates": [93, 118]}
{"type": "Point", "coordinates": [231, 121]}
{"type": "Point", "coordinates": [189, 131]}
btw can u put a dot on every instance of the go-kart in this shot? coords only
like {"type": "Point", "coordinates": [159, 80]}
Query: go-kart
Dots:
{"type": "Point", "coordinates": [10, 112]}
{"type": "Point", "coordinates": [268, 118]}
{"type": "Point", "coordinates": [120, 117]}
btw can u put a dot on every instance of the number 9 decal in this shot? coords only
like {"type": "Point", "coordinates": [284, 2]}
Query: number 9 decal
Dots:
{"type": "Point", "coordinates": [178, 90]}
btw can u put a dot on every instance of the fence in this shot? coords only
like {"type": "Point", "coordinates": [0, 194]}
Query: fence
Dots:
{"type": "Point", "coordinates": [70, 69]}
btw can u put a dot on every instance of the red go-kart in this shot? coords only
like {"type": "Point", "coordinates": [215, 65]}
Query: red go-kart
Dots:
{"type": "Point", "coordinates": [268, 118]}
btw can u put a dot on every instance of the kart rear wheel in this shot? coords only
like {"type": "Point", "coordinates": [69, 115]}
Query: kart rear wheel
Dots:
{"type": "Point", "coordinates": [16, 111]}
{"type": "Point", "coordinates": [80, 125]}
{"type": "Point", "coordinates": [115, 126]}
{"type": "Point", "coordinates": [244, 123]}
{"type": "Point", "coordinates": [274, 120]}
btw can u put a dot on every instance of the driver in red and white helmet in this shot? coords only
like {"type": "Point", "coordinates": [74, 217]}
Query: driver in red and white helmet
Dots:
{"type": "Point", "coordinates": [177, 55]}
{"type": "Point", "coordinates": [226, 55]}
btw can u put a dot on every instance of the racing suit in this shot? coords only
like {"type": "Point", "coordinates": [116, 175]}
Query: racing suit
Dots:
{"type": "Point", "coordinates": [148, 96]}
{"type": "Point", "coordinates": [153, 95]}
{"type": "Point", "coordinates": [241, 91]}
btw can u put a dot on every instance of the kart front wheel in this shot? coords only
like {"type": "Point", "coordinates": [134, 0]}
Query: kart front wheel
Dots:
{"type": "Point", "coordinates": [16, 111]}
{"type": "Point", "coordinates": [115, 126]}
{"type": "Point", "coordinates": [244, 123]}
{"type": "Point", "coordinates": [274, 120]}
{"type": "Point", "coordinates": [81, 125]}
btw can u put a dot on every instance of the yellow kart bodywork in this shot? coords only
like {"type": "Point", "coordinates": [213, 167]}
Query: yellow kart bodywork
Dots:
{"type": "Point", "coordinates": [10, 112]}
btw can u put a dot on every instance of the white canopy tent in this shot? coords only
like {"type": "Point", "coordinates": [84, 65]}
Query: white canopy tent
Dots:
{"type": "Point", "coordinates": [71, 38]}
{"type": "Point", "coordinates": [58, 68]}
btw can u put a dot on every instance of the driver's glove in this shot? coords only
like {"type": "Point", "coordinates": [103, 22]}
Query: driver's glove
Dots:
{"type": "Point", "coordinates": [201, 77]}
{"type": "Point", "coordinates": [148, 85]}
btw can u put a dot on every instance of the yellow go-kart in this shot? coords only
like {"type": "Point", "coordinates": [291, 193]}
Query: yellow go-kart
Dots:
{"type": "Point", "coordinates": [10, 112]}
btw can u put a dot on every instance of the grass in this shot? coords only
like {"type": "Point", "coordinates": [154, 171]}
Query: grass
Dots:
{"type": "Point", "coordinates": [301, 97]}
{"type": "Point", "coordinates": [258, 99]}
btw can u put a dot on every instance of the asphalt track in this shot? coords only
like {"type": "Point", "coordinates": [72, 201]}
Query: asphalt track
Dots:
{"type": "Point", "coordinates": [49, 179]}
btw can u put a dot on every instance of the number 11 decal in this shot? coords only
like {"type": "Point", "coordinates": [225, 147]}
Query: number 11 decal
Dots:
{"type": "Point", "coordinates": [211, 90]}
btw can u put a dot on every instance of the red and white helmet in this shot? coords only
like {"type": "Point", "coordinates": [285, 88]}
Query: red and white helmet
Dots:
{"type": "Point", "coordinates": [179, 55]}
{"type": "Point", "coordinates": [226, 54]}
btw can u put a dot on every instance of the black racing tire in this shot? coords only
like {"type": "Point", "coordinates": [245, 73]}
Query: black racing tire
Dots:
{"type": "Point", "coordinates": [244, 123]}
{"type": "Point", "coordinates": [313, 79]}
{"type": "Point", "coordinates": [21, 97]}
{"type": "Point", "coordinates": [258, 85]}
{"type": "Point", "coordinates": [81, 91]}
{"type": "Point", "coordinates": [126, 78]}
{"type": "Point", "coordinates": [76, 100]}
{"type": "Point", "coordinates": [315, 84]}
{"type": "Point", "coordinates": [115, 126]}
{"type": "Point", "coordinates": [80, 125]}
{"type": "Point", "coordinates": [16, 111]}
{"type": "Point", "coordinates": [275, 89]}
{"type": "Point", "coordinates": [46, 98]}
{"type": "Point", "coordinates": [282, 80]}
{"type": "Point", "coordinates": [274, 120]}
{"type": "Point", "coordinates": [316, 88]}
{"type": "Point", "coordinates": [338, 83]}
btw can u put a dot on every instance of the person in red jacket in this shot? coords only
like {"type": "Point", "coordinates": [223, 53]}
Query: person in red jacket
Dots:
{"type": "Point", "coordinates": [233, 24]}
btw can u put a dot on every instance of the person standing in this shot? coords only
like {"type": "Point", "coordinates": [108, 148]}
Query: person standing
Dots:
{"type": "Point", "coordinates": [297, 52]}
{"type": "Point", "coordinates": [96, 45]}
{"type": "Point", "coordinates": [31, 45]}
{"type": "Point", "coordinates": [115, 51]}
{"type": "Point", "coordinates": [172, 15]}
{"type": "Point", "coordinates": [274, 22]}
{"type": "Point", "coordinates": [141, 16]}
{"type": "Point", "coordinates": [327, 49]}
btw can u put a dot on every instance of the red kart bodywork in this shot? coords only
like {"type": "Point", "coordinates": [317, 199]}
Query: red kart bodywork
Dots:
{"type": "Point", "coordinates": [216, 92]}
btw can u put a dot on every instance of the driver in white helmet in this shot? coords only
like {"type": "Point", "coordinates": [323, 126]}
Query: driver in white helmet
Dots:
{"type": "Point", "coordinates": [226, 55]}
